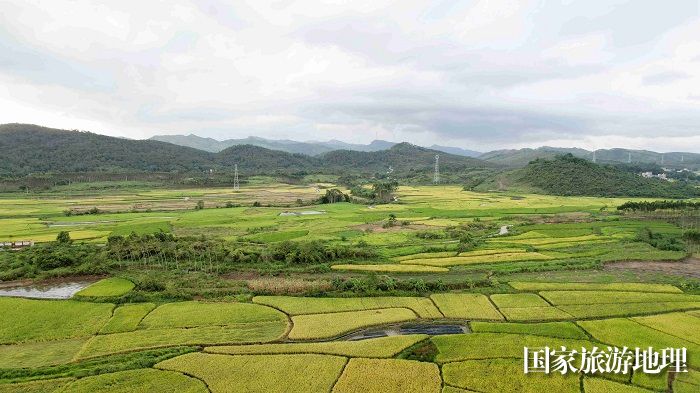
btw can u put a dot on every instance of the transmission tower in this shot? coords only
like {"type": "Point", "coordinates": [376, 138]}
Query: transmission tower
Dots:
{"type": "Point", "coordinates": [236, 184]}
{"type": "Point", "coordinates": [629, 158]}
{"type": "Point", "coordinates": [436, 176]}
{"type": "Point", "coordinates": [594, 156]}
{"type": "Point", "coordinates": [662, 159]}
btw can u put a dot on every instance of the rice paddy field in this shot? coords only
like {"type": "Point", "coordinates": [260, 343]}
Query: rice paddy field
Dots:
{"type": "Point", "coordinates": [542, 283]}
{"type": "Point", "coordinates": [274, 344]}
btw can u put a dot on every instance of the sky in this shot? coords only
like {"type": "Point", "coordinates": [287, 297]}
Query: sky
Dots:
{"type": "Point", "coordinates": [481, 75]}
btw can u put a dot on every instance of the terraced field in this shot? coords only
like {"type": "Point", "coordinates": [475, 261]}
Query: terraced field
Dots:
{"type": "Point", "coordinates": [264, 346]}
{"type": "Point", "coordinates": [366, 325]}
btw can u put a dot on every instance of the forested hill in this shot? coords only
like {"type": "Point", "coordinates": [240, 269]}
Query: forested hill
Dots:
{"type": "Point", "coordinates": [256, 159]}
{"type": "Point", "coordinates": [30, 149]}
{"type": "Point", "coordinates": [26, 149]}
{"type": "Point", "coordinates": [401, 158]}
{"type": "Point", "coordinates": [569, 175]}
{"type": "Point", "coordinates": [521, 157]}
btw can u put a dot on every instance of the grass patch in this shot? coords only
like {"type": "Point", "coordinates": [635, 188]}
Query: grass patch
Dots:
{"type": "Point", "coordinates": [456, 347]}
{"type": "Point", "coordinates": [466, 306]}
{"type": "Point", "coordinates": [301, 305]}
{"type": "Point", "coordinates": [316, 326]}
{"type": "Point", "coordinates": [246, 333]}
{"type": "Point", "coordinates": [126, 318]}
{"type": "Point", "coordinates": [424, 255]}
{"type": "Point", "coordinates": [598, 385]}
{"type": "Point", "coordinates": [388, 375]}
{"type": "Point", "coordinates": [624, 332]}
{"type": "Point", "coordinates": [96, 366]}
{"type": "Point", "coordinates": [198, 314]}
{"type": "Point", "coordinates": [112, 286]}
{"type": "Point", "coordinates": [39, 354]}
{"type": "Point", "coordinates": [625, 309]}
{"type": "Point", "coordinates": [43, 320]}
{"type": "Point", "coordinates": [547, 313]}
{"type": "Point", "coordinates": [50, 386]}
{"type": "Point", "coordinates": [260, 373]}
{"type": "Point", "coordinates": [657, 382]}
{"type": "Point", "coordinates": [601, 297]}
{"type": "Point", "coordinates": [382, 347]}
{"type": "Point", "coordinates": [470, 260]}
{"type": "Point", "coordinates": [681, 325]}
{"type": "Point", "coordinates": [390, 268]}
{"type": "Point", "coordinates": [687, 382]}
{"type": "Point", "coordinates": [143, 380]}
{"type": "Point", "coordinates": [592, 286]}
{"type": "Point", "coordinates": [550, 329]}
{"type": "Point", "coordinates": [505, 375]}
{"type": "Point", "coordinates": [518, 300]}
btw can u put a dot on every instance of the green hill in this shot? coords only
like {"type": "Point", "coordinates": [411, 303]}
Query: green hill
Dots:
{"type": "Point", "coordinates": [521, 157]}
{"type": "Point", "coordinates": [569, 175]}
{"type": "Point", "coordinates": [29, 149]}
{"type": "Point", "coordinates": [255, 159]}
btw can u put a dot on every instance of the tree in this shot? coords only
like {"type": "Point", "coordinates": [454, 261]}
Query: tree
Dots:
{"type": "Point", "coordinates": [63, 237]}
{"type": "Point", "coordinates": [384, 190]}
{"type": "Point", "coordinates": [200, 205]}
{"type": "Point", "coordinates": [334, 195]}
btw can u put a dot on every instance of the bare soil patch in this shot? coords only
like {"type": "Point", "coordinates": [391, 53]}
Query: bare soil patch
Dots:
{"type": "Point", "coordinates": [687, 268]}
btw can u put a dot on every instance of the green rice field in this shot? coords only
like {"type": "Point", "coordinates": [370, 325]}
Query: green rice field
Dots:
{"type": "Point", "coordinates": [240, 346]}
{"type": "Point", "coordinates": [355, 324]}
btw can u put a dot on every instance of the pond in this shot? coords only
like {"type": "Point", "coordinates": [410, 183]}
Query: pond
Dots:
{"type": "Point", "coordinates": [64, 290]}
{"type": "Point", "coordinates": [433, 329]}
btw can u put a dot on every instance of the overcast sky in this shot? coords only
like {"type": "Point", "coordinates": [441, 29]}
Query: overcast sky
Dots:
{"type": "Point", "coordinates": [475, 74]}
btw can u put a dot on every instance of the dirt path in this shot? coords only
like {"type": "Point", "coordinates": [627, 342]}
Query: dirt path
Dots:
{"type": "Point", "coordinates": [687, 268]}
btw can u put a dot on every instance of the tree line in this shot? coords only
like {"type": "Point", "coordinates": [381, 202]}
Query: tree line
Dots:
{"type": "Point", "coordinates": [650, 206]}
{"type": "Point", "coordinates": [165, 251]}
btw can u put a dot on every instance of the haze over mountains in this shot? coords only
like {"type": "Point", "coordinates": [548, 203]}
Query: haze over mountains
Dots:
{"type": "Point", "coordinates": [506, 157]}
{"type": "Point", "coordinates": [39, 151]}
{"type": "Point", "coordinates": [289, 146]}
{"type": "Point", "coordinates": [26, 149]}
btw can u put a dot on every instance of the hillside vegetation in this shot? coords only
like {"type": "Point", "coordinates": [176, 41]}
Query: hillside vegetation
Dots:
{"type": "Point", "coordinates": [521, 157]}
{"type": "Point", "coordinates": [569, 175]}
{"type": "Point", "coordinates": [29, 149]}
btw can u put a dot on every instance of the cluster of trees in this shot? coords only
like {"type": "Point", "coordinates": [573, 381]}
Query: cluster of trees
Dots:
{"type": "Point", "coordinates": [650, 206]}
{"type": "Point", "coordinates": [334, 195]}
{"type": "Point", "coordinates": [568, 175]}
{"type": "Point", "coordinates": [662, 241]}
{"type": "Point", "coordinates": [469, 235]}
{"type": "Point", "coordinates": [165, 251]}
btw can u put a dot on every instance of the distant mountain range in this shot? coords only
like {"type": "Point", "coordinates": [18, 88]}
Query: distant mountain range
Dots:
{"type": "Point", "coordinates": [289, 146]}
{"type": "Point", "coordinates": [27, 149]}
{"type": "Point", "coordinates": [521, 157]}
{"type": "Point", "coordinates": [515, 158]}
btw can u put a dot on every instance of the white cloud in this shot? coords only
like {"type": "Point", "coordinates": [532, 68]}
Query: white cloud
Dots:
{"type": "Point", "coordinates": [479, 74]}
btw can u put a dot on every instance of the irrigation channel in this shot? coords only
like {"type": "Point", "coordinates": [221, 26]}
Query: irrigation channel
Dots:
{"type": "Point", "coordinates": [433, 329]}
{"type": "Point", "coordinates": [63, 290]}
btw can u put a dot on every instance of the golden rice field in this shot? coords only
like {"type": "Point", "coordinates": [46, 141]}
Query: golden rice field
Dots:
{"type": "Point", "coordinates": [282, 343]}
{"type": "Point", "coordinates": [112, 337]}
